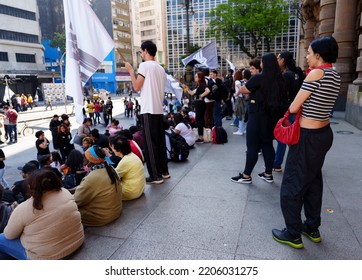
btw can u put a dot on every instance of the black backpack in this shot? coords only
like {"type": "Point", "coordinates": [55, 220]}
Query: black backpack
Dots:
{"type": "Point", "coordinates": [179, 148]}
{"type": "Point", "coordinates": [219, 135]}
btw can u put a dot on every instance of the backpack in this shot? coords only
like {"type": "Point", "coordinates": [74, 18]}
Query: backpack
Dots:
{"type": "Point", "coordinates": [219, 135]}
{"type": "Point", "coordinates": [179, 148]}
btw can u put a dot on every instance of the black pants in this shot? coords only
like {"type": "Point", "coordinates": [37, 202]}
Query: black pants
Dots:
{"type": "Point", "coordinates": [154, 144]}
{"type": "Point", "coordinates": [259, 136]}
{"type": "Point", "coordinates": [302, 183]}
{"type": "Point", "coordinates": [200, 116]}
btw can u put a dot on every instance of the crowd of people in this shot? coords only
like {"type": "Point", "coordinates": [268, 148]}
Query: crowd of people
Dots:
{"type": "Point", "coordinates": [86, 186]}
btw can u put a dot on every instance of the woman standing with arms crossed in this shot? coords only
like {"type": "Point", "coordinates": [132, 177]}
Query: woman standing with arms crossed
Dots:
{"type": "Point", "coordinates": [302, 184]}
{"type": "Point", "coordinates": [267, 92]}
{"type": "Point", "coordinates": [200, 106]}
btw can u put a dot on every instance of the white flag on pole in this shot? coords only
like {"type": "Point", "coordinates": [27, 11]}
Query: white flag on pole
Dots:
{"type": "Point", "coordinates": [206, 56]}
{"type": "Point", "coordinates": [8, 93]}
{"type": "Point", "coordinates": [231, 65]}
{"type": "Point", "coordinates": [87, 45]}
{"type": "Point", "coordinates": [173, 86]}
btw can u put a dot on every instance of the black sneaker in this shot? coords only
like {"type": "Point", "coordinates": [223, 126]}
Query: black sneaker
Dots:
{"type": "Point", "coordinates": [166, 175]}
{"type": "Point", "coordinates": [313, 235]}
{"type": "Point", "coordinates": [241, 179]}
{"type": "Point", "coordinates": [284, 237]}
{"type": "Point", "coordinates": [199, 141]}
{"type": "Point", "coordinates": [157, 180]}
{"type": "Point", "coordinates": [268, 179]}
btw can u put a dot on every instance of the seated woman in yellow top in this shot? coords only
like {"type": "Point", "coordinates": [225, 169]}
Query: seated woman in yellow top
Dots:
{"type": "Point", "coordinates": [99, 195]}
{"type": "Point", "coordinates": [130, 169]}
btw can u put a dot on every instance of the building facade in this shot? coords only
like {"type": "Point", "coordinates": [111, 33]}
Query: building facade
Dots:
{"type": "Point", "coordinates": [21, 50]}
{"type": "Point", "coordinates": [342, 19]}
{"type": "Point", "coordinates": [149, 23]}
{"type": "Point", "coordinates": [198, 25]}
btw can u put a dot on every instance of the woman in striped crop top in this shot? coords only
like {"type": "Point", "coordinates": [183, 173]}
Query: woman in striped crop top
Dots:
{"type": "Point", "coordinates": [302, 184]}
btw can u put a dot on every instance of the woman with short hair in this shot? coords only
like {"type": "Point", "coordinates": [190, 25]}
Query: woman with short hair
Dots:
{"type": "Point", "coordinates": [302, 184]}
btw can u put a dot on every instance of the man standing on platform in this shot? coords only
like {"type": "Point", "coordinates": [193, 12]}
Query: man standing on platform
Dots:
{"type": "Point", "coordinates": [150, 81]}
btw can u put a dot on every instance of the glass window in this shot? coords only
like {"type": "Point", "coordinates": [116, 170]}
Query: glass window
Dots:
{"type": "Point", "coordinates": [4, 56]}
{"type": "Point", "coordinates": [23, 57]}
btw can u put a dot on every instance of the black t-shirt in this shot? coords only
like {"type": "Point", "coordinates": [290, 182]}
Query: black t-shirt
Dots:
{"type": "Point", "coordinates": [292, 84]}
{"type": "Point", "coordinates": [200, 90]}
{"type": "Point", "coordinates": [2, 155]}
{"type": "Point", "coordinates": [254, 86]}
{"type": "Point", "coordinates": [40, 150]}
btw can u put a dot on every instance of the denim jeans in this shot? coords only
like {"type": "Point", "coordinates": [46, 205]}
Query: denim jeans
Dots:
{"type": "Point", "coordinates": [11, 248]}
{"type": "Point", "coordinates": [279, 154]}
{"type": "Point", "coordinates": [12, 129]}
{"type": "Point", "coordinates": [242, 125]}
{"type": "Point", "coordinates": [2, 179]}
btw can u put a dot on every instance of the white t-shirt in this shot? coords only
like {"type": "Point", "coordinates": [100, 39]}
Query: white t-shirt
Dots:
{"type": "Point", "coordinates": [153, 89]}
{"type": "Point", "coordinates": [187, 133]}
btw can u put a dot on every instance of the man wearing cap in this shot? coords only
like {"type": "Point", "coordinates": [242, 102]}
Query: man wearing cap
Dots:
{"type": "Point", "coordinates": [19, 191]}
{"type": "Point", "coordinates": [53, 127]}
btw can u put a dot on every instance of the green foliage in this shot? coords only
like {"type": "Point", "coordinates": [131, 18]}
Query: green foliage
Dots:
{"type": "Point", "coordinates": [259, 20]}
{"type": "Point", "coordinates": [58, 41]}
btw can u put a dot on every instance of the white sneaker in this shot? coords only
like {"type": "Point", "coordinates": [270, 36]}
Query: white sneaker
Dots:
{"type": "Point", "coordinates": [238, 133]}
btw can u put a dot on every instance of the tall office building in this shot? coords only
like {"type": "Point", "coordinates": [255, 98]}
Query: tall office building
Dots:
{"type": "Point", "coordinates": [149, 23]}
{"type": "Point", "coordinates": [198, 25]}
{"type": "Point", "coordinates": [21, 50]}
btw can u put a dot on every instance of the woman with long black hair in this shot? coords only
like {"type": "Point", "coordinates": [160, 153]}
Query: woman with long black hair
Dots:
{"type": "Point", "coordinates": [267, 95]}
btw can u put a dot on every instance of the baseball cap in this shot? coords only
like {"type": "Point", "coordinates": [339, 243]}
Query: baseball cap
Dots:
{"type": "Point", "coordinates": [28, 167]}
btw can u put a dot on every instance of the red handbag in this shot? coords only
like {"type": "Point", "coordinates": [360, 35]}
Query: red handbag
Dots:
{"type": "Point", "coordinates": [288, 133]}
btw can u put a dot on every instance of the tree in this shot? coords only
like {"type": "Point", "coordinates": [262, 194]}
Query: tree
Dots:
{"type": "Point", "coordinates": [260, 20]}
{"type": "Point", "coordinates": [58, 41]}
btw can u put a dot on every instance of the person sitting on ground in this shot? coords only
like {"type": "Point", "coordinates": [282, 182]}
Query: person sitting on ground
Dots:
{"type": "Point", "coordinates": [99, 195]}
{"type": "Point", "coordinates": [87, 142]}
{"type": "Point", "coordinates": [99, 139]}
{"type": "Point", "coordinates": [19, 191]}
{"type": "Point", "coordinates": [184, 129]}
{"type": "Point", "coordinates": [74, 165]}
{"type": "Point", "coordinates": [134, 146]}
{"type": "Point", "coordinates": [45, 227]}
{"type": "Point", "coordinates": [57, 160]}
{"type": "Point", "coordinates": [130, 169]}
{"type": "Point", "coordinates": [6, 209]}
{"type": "Point", "coordinates": [45, 162]}
{"type": "Point", "coordinates": [137, 136]}
{"type": "Point", "coordinates": [84, 130]}
{"type": "Point", "coordinates": [114, 126]}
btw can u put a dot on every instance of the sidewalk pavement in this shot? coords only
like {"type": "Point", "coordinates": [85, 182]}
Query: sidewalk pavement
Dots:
{"type": "Point", "coordinates": [200, 214]}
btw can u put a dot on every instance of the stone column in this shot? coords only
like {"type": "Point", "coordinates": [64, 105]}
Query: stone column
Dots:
{"type": "Point", "coordinates": [358, 81]}
{"type": "Point", "coordinates": [326, 17]}
{"type": "Point", "coordinates": [311, 12]}
{"type": "Point", "coordinates": [346, 35]}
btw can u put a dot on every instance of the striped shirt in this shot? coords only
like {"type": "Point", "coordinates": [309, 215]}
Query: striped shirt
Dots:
{"type": "Point", "coordinates": [319, 104]}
